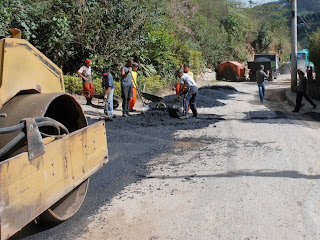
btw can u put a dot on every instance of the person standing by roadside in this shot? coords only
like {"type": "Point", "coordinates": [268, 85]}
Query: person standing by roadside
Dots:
{"type": "Point", "coordinates": [261, 76]}
{"type": "Point", "coordinates": [302, 91]}
{"type": "Point", "coordinates": [191, 93]}
{"type": "Point", "coordinates": [126, 86]}
{"type": "Point", "coordinates": [108, 87]}
{"type": "Point", "coordinates": [85, 73]}
{"type": "Point", "coordinates": [134, 73]}
{"type": "Point", "coordinates": [309, 73]}
{"type": "Point", "coordinates": [186, 69]}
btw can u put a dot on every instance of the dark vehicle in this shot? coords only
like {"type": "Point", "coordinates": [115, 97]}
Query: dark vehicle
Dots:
{"type": "Point", "coordinates": [270, 62]}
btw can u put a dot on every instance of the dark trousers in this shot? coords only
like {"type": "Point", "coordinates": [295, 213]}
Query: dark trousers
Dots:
{"type": "Point", "coordinates": [126, 94]}
{"type": "Point", "coordinates": [300, 95]}
{"type": "Point", "coordinates": [191, 98]}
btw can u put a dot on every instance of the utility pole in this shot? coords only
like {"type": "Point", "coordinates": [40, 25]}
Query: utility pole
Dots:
{"type": "Point", "coordinates": [294, 40]}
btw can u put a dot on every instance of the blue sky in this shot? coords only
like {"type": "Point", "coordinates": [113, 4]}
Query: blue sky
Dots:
{"type": "Point", "coordinates": [256, 1]}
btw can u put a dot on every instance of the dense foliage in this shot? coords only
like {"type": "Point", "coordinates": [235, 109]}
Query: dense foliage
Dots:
{"type": "Point", "coordinates": [314, 47]}
{"type": "Point", "coordinates": [160, 35]}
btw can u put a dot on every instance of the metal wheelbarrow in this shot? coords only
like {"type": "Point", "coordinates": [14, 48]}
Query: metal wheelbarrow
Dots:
{"type": "Point", "coordinates": [152, 98]}
{"type": "Point", "coordinates": [100, 98]}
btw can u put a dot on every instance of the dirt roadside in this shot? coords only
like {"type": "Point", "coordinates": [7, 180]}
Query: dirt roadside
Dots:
{"type": "Point", "coordinates": [242, 170]}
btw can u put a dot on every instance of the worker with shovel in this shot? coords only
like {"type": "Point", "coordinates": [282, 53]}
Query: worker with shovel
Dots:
{"type": "Point", "coordinates": [126, 86]}
{"type": "Point", "coordinates": [190, 92]}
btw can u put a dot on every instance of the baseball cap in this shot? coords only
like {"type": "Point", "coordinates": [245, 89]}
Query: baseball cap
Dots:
{"type": "Point", "coordinates": [88, 60]}
{"type": "Point", "coordinates": [105, 71]}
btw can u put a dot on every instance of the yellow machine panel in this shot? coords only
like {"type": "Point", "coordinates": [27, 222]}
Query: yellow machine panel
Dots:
{"type": "Point", "coordinates": [29, 187]}
{"type": "Point", "coordinates": [28, 71]}
{"type": "Point", "coordinates": [47, 150]}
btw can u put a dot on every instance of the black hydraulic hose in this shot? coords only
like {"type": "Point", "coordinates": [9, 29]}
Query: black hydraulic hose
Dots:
{"type": "Point", "coordinates": [12, 143]}
{"type": "Point", "coordinates": [41, 119]}
{"type": "Point", "coordinates": [49, 124]}
{"type": "Point", "coordinates": [18, 127]}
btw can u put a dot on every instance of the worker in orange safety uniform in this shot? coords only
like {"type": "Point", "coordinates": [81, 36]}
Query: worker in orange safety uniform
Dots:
{"type": "Point", "coordinates": [85, 73]}
{"type": "Point", "coordinates": [134, 74]}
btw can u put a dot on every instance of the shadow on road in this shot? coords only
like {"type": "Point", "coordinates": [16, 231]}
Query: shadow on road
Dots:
{"type": "Point", "coordinates": [280, 108]}
{"type": "Point", "coordinates": [234, 174]}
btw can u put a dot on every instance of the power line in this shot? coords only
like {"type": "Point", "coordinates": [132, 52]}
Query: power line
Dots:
{"type": "Point", "coordinates": [311, 7]}
{"type": "Point", "coordinates": [303, 21]}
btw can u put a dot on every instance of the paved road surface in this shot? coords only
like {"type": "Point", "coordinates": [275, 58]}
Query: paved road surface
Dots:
{"type": "Point", "coordinates": [242, 170]}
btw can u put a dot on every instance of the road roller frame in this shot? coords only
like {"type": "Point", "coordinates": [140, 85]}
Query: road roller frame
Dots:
{"type": "Point", "coordinates": [47, 151]}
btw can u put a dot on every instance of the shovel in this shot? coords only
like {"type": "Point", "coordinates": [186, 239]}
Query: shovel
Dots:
{"type": "Point", "coordinates": [175, 111]}
{"type": "Point", "coordinates": [144, 107]}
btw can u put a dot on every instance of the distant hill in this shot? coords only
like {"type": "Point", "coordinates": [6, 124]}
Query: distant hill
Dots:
{"type": "Point", "coordinates": [308, 17]}
{"type": "Point", "coordinates": [304, 5]}
{"type": "Point", "coordinates": [308, 6]}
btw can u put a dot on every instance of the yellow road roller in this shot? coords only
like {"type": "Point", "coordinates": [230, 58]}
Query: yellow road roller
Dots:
{"type": "Point", "coordinates": [47, 150]}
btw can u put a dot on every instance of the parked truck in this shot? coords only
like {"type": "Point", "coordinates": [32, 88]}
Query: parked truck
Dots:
{"type": "Point", "coordinates": [47, 150]}
{"type": "Point", "coordinates": [231, 71]}
{"type": "Point", "coordinates": [270, 62]}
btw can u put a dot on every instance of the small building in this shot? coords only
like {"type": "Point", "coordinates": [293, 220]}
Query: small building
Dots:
{"type": "Point", "coordinates": [231, 71]}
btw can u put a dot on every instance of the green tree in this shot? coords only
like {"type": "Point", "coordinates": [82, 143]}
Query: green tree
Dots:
{"type": "Point", "coordinates": [314, 48]}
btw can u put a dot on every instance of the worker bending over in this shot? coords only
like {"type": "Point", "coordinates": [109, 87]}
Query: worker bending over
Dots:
{"type": "Point", "coordinates": [190, 93]}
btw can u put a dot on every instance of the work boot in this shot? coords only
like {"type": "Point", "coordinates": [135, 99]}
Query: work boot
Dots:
{"type": "Point", "coordinates": [184, 117]}
{"type": "Point", "coordinates": [314, 106]}
{"type": "Point", "coordinates": [88, 101]}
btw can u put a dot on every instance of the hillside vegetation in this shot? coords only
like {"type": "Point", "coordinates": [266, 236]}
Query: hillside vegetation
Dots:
{"type": "Point", "coordinates": [159, 35]}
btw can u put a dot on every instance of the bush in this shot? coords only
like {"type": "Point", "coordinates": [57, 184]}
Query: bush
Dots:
{"type": "Point", "coordinates": [152, 84]}
{"type": "Point", "coordinates": [195, 61]}
{"type": "Point", "coordinates": [72, 84]}
{"type": "Point", "coordinates": [117, 90]}
{"type": "Point", "coordinates": [314, 48]}
{"type": "Point", "coordinates": [97, 82]}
